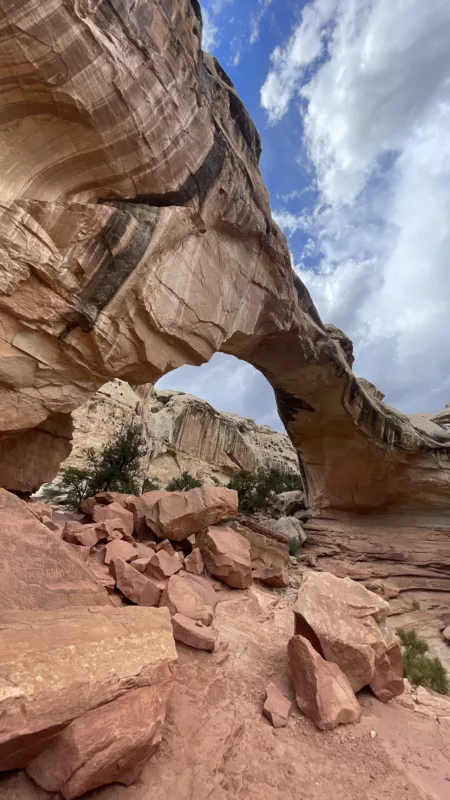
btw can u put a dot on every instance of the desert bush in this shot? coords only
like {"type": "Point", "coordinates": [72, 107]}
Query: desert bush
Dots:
{"type": "Point", "coordinates": [114, 468]}
{"type": "Point", "coordinates": [257, 489]}
{"type": "Point", "coordinates": [420, 668]}
{"type": "Point", "coordinates": [416, 605]}
{"type": "Point", "coordinates": [183, 483]}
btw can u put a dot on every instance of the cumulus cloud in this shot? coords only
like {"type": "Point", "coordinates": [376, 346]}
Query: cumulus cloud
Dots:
{"type": "Point", "coordinates": [371, 79]}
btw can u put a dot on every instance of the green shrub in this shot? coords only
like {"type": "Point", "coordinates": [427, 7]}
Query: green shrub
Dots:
{"type": "Point", "coordinates": [150, 485]}
{"type": "Point", "coordinates": [257, 489]}
{"type": "Point", "coordinates": [183, 483]}
{"type": "Point", "coordinates": [115, 468]}
{"type": "Point", "coordinates": [215, 480]}
{"type": "Point", "coordinates": [416, 605]}
{"type": "Point", "coordinates": [294, 544]}
{"type": "Point", "coordinates": [420, 668]}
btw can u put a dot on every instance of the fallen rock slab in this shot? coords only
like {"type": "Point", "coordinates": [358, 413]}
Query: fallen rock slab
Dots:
{"type": "Point", "coordinates": [288, 503]}
{"type": "Point", "coordinates": [110, 744]}
{"type": "Point", "coordinates": [162, 566]}
{"type": "Point", "coordinates": [322, 691]}
{"type": "Point", "coordinates": [37, 569]}
{"type": "Point", "coordinates": [192, 633]}
{"type": "Point", "coordinates": [387, 681]}
{"type": "Point", "coordinates": [140, 564]}
{"type": "Point", "coordinates": [227, 556]}
{"type": "Point", "coordinates": [114, 511]}
{"type": "Point", "coordinates": [177, 515]}
{"type": "Point", "coordinates": [345, 622]}
{"type": "Point", "coordinates": [191, 596]}
{"type": "Point", "coordinates": [276, 706]}
{"type": "Point", "coordinates": [119, 549]}
{"type": "Point", "coordinates": [133, 584]}
{"type": "Point", "coordinates": [194, 562]}
{"type": "Point", "coordinates": [88, 656]}
{"type": "Point", "coordinates": [269, 557]}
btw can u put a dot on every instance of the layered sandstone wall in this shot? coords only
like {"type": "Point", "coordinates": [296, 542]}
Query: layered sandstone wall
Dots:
{"type": "Point", "coordinates": [181, 431]}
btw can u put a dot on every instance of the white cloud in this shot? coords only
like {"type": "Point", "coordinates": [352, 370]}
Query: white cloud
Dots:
{"type": "Point", "coordinates": [256, 18]}
{"type": "Point", "coordinates": [374, 83]}
{"type": "Point", "coordinates": [210, 31]}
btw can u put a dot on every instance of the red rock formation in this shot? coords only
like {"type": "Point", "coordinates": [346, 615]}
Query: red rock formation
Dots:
{"type": "Point", "coordinates": [108, 229]}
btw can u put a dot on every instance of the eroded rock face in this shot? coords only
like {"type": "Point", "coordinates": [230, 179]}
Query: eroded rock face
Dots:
{"type": "Point", "coordinates": [125, 252]}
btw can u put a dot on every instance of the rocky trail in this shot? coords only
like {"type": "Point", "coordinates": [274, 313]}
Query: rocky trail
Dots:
{"type": "Point", "coordinates": [217, 744]}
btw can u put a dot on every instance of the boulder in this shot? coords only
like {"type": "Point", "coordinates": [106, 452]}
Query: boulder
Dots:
{"type": "Point", "coordinates": [110, 744]}
{"type": "Point", "coordinates": [140, 563]}
{"type": "Point", "coordinates": [107, 498]}
{"type": "Point", "coordinates": [102, 574]}
{"type": "Point", "coordinates": [322, 691]}
{"type": "Point", "coordinates": [87, 505]}
{"type": "Point", "coordinates": [139, 507]}
{"type": "Point", "coordinates": [144, 550]}
{"type": "Point", "coordinates": [177, 515]}
{"type": "Point", "coordinates": [276, 706]}
{"type": "Point", "coordinates": [166, 546]}
{"type": "Point", "coordinates": [190, 596]}
{"type": "Point", "coordinates": [119, 549]}
{"type": "Point", "coordinates": [289, 528]}
{"type": "Point", "coordinates": [37, 569]}
{"type": "Point", "coordinates": [114, 511]}
{"type": "Point", "coordinates": [193, 634]}
{"type": "Point", "coordinates": [133, 584]}
{"type": "Point", "coordinates": [194, 562]}
{"type": "Point", "coordinates": [84, 535]}
{"type": "Point", "coordinates": [269, 557]}
{"type": "Point", "coordinates": [346, 623]}
{"type": "Point", "coordinates": [79, 551]}
{"type": "Point", "coordinates": [387, 681]}
{"type": "Point", "coordinates": [89, 658]}
{"type": "Point", "coordinates": [162, 566]}
{"type": "Point", "coordinates": [288, 503]}
{"type": "Point", "coordinates": [227, 556]}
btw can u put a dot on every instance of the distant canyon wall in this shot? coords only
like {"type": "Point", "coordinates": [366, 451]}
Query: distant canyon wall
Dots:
{"type": "Point", "coordinates": [182, 433]}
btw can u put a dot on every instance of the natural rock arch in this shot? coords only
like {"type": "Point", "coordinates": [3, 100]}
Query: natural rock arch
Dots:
{"type": "Point", "coordinates": [136, 236]}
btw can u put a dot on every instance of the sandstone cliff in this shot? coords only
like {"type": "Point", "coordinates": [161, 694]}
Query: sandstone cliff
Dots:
{"type": "Point", "coordinates": [127, 252]}
{"type": "Point", "coordinates": [182, 433]}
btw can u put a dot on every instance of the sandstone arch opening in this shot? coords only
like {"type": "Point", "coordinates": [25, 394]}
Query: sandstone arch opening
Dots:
{"type": "Point", "coordinates": [163, 251]}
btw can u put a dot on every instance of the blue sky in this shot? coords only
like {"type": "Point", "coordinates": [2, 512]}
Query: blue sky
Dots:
{"type": "Point", "coordinates": [352, 101]}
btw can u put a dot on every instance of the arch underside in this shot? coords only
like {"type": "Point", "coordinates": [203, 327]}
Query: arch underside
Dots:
{"type": "Point", "coordinates": [136, 236]}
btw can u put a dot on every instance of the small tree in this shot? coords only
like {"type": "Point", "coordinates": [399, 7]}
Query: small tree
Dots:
{"type": "Point", "coordinates": [115, 468]}
{"type": "Point", "coordinates": [150, 485]}
{"type": "Point", "coordinates": [257, 489]}
{"type": "Point", "coordinates": [183, 483]}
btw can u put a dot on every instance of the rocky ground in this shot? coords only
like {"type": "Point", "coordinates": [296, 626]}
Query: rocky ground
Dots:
{"type": "Point", "coordinates": [217, 743]}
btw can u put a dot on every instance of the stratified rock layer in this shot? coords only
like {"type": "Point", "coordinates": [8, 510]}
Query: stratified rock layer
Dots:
{"type": "Point", "coordinates": [127, 252]}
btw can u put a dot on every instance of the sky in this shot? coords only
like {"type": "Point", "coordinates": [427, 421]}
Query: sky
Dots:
{"type": "Point", "coordinates": [352, 101]}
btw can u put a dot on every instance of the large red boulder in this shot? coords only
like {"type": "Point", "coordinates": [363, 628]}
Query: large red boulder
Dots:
{"type": "Point", "coordinates": [177, 515]}
{"type": "Point", "coordinates": [190, 596]}
{"type": "Point", "coordinates": [139, 507]}
{"type": "Point", "coordinates": [193, 634]}
{"type": "Point", "coordinates": [322, 691]}
{"type": "Point", "coordinates": [120, 549]}
{"type": "Point", "coordinates": [133, 584]}
{"type": "Point", "coordinates": [56, 666]}
{"type": "Point", "coordinates": [346, 623]}
{"type": "Point", "coordinates": [110, 744]}
{"type": "Point", "coordinates": [114, 511]}
{"type": "Point", "coordinates": [37, 568]}
{"type": "Point", "coordinates": [162, 566]}
{"type": "Point", "coordinates": [227, 556]}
